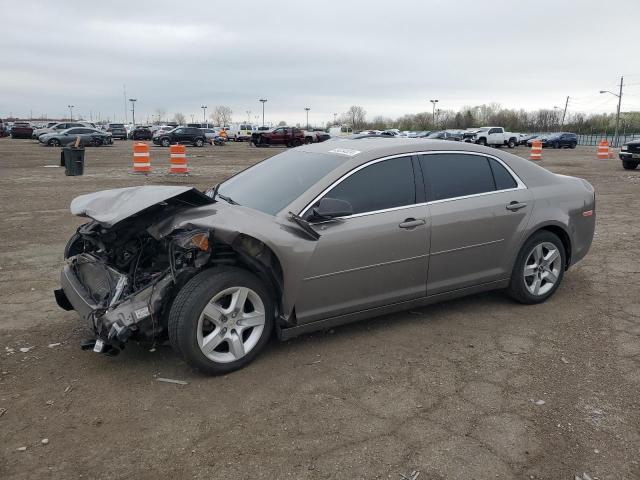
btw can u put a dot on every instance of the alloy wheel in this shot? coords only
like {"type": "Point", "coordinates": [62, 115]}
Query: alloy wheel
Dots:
{"type": "Point", "coordinates": [542, 268]}
{"type": "Point", "coordinates": [231, 324]}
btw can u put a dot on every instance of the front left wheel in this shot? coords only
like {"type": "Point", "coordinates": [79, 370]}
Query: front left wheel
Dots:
{"type": "Point", "coordinates": [221, 319]}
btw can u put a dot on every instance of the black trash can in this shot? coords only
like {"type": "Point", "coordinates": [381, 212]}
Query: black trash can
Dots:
{"type": "Point", "coordinates": [72, 158]}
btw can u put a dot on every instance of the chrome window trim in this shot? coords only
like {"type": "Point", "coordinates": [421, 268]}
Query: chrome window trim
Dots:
{"type": "Point", "coordinates": [520, 185]}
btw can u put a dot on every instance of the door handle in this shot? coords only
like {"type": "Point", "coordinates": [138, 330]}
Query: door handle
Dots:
{"type": "Point", "coordinates": [410, 223]}
{"type": "Point", "coordinates": [515, 206]}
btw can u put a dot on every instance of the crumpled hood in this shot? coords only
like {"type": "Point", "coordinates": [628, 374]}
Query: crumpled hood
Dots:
{"type": "Point", "coordinates": [111, 206]}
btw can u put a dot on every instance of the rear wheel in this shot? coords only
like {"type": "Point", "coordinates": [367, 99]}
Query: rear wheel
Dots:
{"type": "Point", "coordinates": [221, 319]}
{"type": "Point", "coordinates": [483, 142]}
{"type": "Point", "coordinates": [96, 142]}
{"type": "Point", "coordinates": [296, 142]}
{"type": "Point", "coordinates": [199, 142]}
{"type": "Point", "coordinates": [54, 142]}
{"type": "Point", "coordinates": [165, 142]}
{"type": "Point", "coordinates": [539, 268]}
{"type": "Point", "coordinates": [629, 164]}
{"type": "Point", "coordinates": [573, 145]}
{"type": "Point", "coordinates": [511, 143]}
{"type": "Point", "coordinates": [556, 145]}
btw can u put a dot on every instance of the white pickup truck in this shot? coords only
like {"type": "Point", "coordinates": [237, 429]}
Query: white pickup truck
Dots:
{"type": "Point", "coordinates": [495, 137]}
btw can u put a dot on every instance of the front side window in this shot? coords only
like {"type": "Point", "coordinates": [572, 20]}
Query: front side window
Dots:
{"type": "Point", "coordinates": [450, 175]}
{"type": "Point", "coordinates": [386, 184]}
{"type": "Point", "coordinates": [178, 130]}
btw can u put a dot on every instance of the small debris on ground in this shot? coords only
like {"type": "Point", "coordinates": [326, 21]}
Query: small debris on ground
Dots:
{"type": "Point", "coordinates": [44, 441]}
{"type": "Point", "coordinates": [171, 380]}
{"type": "Point", "coordinates": [26, 349]}
{"type": "Point", "coordinates": [564, 360]}
{"type": "Point", "coordinates": [3, 411]}
{"type": "Point", "coordinates": [51, 345]}
{"type": "Point", "coordinates": [49, 402]}
{"type": "Point", "coordinates": [314, 363]}
{"type": "Point", "coordinates": [539, 402]}
{"type": "Point", "coordinates": [412, 476]}
{"type": "Point", "coordinates": [21, 449]}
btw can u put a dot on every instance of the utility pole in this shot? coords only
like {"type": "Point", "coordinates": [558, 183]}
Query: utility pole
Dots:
{"type": "Point", "coordinates": [133, 110]}
{"type": "Point", "coordinates": [433, 115]}
{"type": "Point", "coordinates": [124, 96]}
{"type": "Point", "coordinates": [204, 113]}
{"type": "Point", "coordinates": [564, 114]}
{"type": "Point", "coordinates": [335, 115]}
{"type": "Point", "coordinates": [263, 101]}
{"type": "Point", "coordinates": [248, 116]}
{"type": "Point", "coordinates": [70, 112]}
{"type": "Point", "coordinates": [616, 139]}
{"type": "Point", "coordinates": [307, 109]}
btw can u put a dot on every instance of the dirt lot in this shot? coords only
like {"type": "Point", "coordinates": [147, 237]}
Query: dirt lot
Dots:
{"type": "Point", "coordinates": [449, 390]}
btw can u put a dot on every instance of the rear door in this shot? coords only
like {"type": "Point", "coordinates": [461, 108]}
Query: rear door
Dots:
{"type": "Point", "coordinates": [378, 255]}
{"type": "Point", "coordinates": [479, 211]}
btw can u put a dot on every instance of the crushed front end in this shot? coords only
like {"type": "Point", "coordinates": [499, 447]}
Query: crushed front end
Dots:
{"type": "Point", "coordinates": [121, 278]}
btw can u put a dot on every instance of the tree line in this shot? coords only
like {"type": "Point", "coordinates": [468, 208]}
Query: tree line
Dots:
{"type": "Point", "coordinates": [542, 120]}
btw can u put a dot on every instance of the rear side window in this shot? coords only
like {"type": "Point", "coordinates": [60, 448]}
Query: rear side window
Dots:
{"type": "Point", "coordinates": [502, 177]}
{"type": "Point", "coordinates": [451, 175]}
{"type": "Point", "coordinates": [382, 185]}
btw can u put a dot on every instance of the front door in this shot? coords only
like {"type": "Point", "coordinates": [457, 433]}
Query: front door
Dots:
{"type": "Point", "coordinates": [378, 255]}
{"type": "Point", "coordinates": [479, 211]}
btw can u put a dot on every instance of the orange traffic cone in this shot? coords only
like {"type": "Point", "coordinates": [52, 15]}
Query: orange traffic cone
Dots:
{"type": "Point", "coordinates": [536, 150]}
{"type": "Point", "coordinates": [178, 159]}
{"type": "Point", "coordinates": [603, 150]}
{"type": "Point", "coordinates": [141, 161]}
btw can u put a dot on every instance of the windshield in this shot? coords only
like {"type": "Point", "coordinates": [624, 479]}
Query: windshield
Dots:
{"type": "Point", "coordinates": [274, 183]}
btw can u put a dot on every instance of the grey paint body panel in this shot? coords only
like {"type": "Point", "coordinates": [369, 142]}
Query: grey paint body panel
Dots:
{"type": "Point", "coordinates": [365, 264]}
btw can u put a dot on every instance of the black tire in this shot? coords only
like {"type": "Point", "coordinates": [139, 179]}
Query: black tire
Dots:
{"type": "Point", "coordinates": [191, 300]}
{"type": "Point", "coordinates": [629, 164]}
{"type": "Point", "coordinates": [556, 145]}
{"type": "Point", "coordinates": [307, 140]}
{"type": "Point", "coordinates": [573, 145]}
{"type": "Point", "coordinates": [96, 142]}
{"type": "Point", "coordinates": [517, 287]}
{"type": "Point", "coordinates": [53, 142]}
{"type": "Point", "coordinates": [511, 143]}
{"type": "Point", "coordinates": [483, 142]}
{"type": "Point", "coordinates": [165, 142]}
{"type": "Point", "coordinates": [199, 142]}
{"type": "Point", "coordinates": [296, 142]}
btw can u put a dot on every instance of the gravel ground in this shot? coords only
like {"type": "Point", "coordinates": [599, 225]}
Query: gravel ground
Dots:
{"type": "Point", "coordinates": [469, 389]}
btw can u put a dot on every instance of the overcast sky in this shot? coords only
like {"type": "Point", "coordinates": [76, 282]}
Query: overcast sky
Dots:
{"type": "Point", "coordinates": [389, 57]}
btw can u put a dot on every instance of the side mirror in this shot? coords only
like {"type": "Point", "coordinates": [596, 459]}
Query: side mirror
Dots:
{"type": "Point", "coordinates": [331, 208]}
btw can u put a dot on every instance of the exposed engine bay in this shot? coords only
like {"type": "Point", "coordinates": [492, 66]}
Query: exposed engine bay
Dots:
{"type": "Point", "coordinates": [121, 278]}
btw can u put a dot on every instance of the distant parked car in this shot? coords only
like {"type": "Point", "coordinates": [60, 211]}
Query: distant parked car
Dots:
{"type": "Point", "coordinates": [241, 132]}
{"type": "Point", "coordinates": [88, 136]}
{"type": "Point", "coordinates": [182, 135]}
{"type": "Point", "coordinates": [315, 136]}
{"type": "Point", "coordinates": [21, 130]}
{"type": "Point", "coordinates": [444, 135]}
{"type": "Point", "coordinates": [289, 136]}
{"type": "Point", "coordinates": [526, 137]}
{"type": "Point", "coordinates": [561, 140]}
{"type": "Point", "coordinates": [117, 130]}
{"type": "Point", "coordinates": [60, 126]}
{"type": "Point", "coordinates": [630, 155]}
{"type": "Point", "coordinates": [141, 133]}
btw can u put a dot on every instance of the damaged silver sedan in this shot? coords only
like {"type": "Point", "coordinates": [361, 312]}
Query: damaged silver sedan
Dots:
{"type": "Point", "coordinates": [315, 237]}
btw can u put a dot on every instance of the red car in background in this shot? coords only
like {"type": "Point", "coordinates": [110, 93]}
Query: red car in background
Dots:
{"type": "Point", "coordinates": [21, 130]}
{"type": "Point", "coordinates": [289, 136]}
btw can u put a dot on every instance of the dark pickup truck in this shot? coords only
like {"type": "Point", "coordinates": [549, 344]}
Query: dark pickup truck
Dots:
{"type": "Point", "coordinates": [289, 136]}
{"type": "Point", "coordinates": [21, 130]}
{"type": "Point", "coordinates": [630, 155]}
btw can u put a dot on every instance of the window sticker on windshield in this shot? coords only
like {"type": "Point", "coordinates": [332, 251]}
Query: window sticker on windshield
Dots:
{"type": "Point", "coordinates": [345, 151]}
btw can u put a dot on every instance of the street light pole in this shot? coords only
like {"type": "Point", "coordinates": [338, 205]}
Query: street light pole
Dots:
{"type": "Point", "coordinates": [133, 110]}
{"type": "Point", "coordinates": [616, 139]}
{"type": "Point", "coordinates": [433, 115]}
{"type": "Point", "coordinates": [204, 113]}
{"type": "Point", "coordinates": [248, 116]}
{"type": "Point", "coordinates": [307, 109]}
{"type": "Point", "coordinates": [70, 112]}
{"type": "Point", "coordinates": [263, 100]}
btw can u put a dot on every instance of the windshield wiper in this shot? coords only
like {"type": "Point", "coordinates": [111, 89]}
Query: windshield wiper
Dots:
{"type": "Point", "coordinates": [302, 223]}
{"type": "Point", "coordinates": [228, 199]}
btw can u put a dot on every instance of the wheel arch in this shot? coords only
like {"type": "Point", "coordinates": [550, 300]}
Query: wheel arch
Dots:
{"type": "Point", "coordinates": [561, 232]}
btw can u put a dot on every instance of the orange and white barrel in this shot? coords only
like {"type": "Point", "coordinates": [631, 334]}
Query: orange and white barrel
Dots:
{"type": "Point", "coordinates": [141, 160]}
{"type": "Point", "coordinates": [603, 150]}
{"type": "Point", "coordinates": [178, 159]}
{"type": "Point", "coordinates": [536, 150]}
